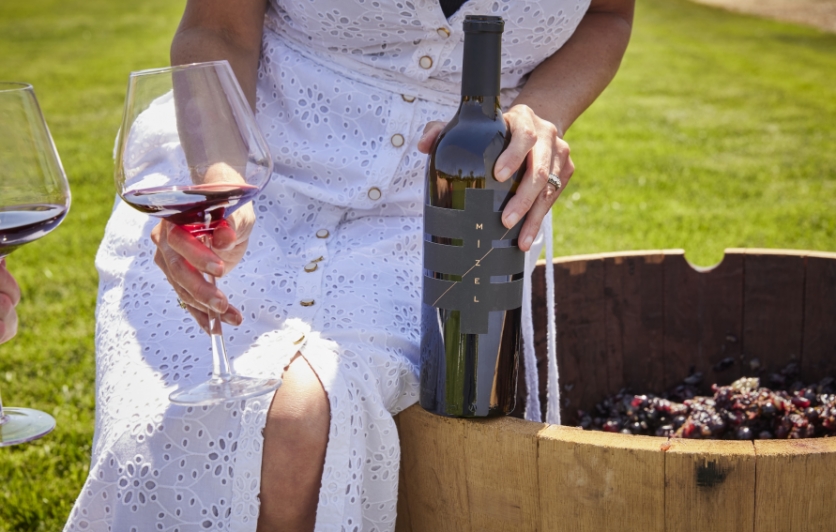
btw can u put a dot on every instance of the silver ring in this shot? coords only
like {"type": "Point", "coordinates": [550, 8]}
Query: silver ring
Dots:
{"type": "Point", "coordinates": [181, 303]}
{"type": "Point", "coordinates": [555, 181]}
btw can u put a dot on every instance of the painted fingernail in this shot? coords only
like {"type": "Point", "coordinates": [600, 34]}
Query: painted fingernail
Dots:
{"type": "Point", "coordinates": [503, 173]}
{"type": "Point", "coordinates": [511, 220]}
{"type": "Point", "coordinates": [527, 241]}
{"type": "Point", "coordinates": [232, 319]}
{"type": "Point", "coordinates": [217, 304]}
{"type": "Point", "coordinates": [215, 269]}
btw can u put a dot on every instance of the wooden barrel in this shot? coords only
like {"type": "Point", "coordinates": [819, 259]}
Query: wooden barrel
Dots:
{"type": "Point", "coordinates": [642, 320]}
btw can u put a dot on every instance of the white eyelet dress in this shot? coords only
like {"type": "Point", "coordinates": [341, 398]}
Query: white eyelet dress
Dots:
{"type": "Point", "coordinates": [333, 270]}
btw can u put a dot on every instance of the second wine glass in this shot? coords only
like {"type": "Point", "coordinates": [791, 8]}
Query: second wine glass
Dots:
{"type": "Point", "coordinates": [34, 198]}
{"type": "Point", "coordinates": [189, 151]}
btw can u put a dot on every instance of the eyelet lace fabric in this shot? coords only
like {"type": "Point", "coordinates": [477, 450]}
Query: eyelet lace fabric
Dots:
{"type": "Point", "coordinates": [343, 96]}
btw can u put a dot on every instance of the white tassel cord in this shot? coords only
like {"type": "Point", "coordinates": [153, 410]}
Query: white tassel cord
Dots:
{"type": "Point", "coordinates": [532, 382]}
{"type": "Point", "coordinates": [553, 388]}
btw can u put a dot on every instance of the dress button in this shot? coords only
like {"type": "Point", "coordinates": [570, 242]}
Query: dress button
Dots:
{"type": "Point", "coordinates": [310, 267]}
{"type": "Point", "coordinates": [397, 140]}
{"type": "Point", "coordinates": [426, 62]}
{"type": "Point", "coordinates": [443, 32]}
{"type": "Point", "coordinates": [323, 233]}
{"type": "Point", "coordinates": [408, 99]}
{"type": "Point", "coordinates": [374, 193]}
{"type": "Point", "coordinates": [307, 302]}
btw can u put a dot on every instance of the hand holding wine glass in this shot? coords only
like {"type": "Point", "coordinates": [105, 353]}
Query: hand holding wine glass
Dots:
{"type": "Point", "coordinates": [183, 258]}
{"type": "Point", "coordinates": [189, 152]}
{"type": "Point", "coordinates": [34, 198]}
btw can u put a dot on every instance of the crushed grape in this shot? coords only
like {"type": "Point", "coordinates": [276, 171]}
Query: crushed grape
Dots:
{"type": "Point", "coordinates": [743, 410]}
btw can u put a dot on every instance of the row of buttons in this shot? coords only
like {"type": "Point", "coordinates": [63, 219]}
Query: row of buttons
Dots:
{"type": "Point", "coordinates": [426, 62]}
{"type": "Point", "coordinates": [312, 266]}
{"type": "Point", "coordinates": [374, 193]}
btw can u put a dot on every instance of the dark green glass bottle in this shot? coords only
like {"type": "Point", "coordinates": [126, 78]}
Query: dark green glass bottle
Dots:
{"type": "Point", "coordinates": [473, 268]}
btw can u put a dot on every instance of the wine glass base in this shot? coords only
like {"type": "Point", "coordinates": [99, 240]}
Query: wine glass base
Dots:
{"type": "Point", "coordinates": [20, 425]}
{"type": "Point", "coordinates": [220, 391]}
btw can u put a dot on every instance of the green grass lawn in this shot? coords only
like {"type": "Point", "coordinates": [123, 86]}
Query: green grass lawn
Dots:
{"type": "Point", "coordinates": [718, 132]}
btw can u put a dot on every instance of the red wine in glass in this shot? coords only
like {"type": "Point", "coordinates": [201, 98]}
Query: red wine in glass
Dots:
{"type": "Point", "coordinates": [21, 224]}
{"type": "Point", "coordinates": [191, 207]}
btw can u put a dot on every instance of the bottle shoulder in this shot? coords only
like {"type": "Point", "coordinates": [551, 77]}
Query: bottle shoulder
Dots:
{"type": "Point", "coordinates": [475, 116]}
{"type": "Point", "coordinates": [469, 147]}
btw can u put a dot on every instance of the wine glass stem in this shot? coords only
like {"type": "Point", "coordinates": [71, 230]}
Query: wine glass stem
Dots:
{"type": "Point", "coordinates": [220, 361]}
{"type": "Point", "coordinates": [2, 415]}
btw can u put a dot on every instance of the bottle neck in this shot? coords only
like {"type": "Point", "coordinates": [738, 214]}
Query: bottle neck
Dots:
{"type": "Point", "coordinates": [481, 64]}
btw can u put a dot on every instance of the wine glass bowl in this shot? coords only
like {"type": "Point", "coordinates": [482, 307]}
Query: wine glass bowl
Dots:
{"type": "Point", "coordinates": [34, 199]}
{"type": "Point", "coordinates": [34, 194]}
{"type": "Point", "coordinates": [189, 145]}
{"type": "Point", "coordinates": [189, 151]}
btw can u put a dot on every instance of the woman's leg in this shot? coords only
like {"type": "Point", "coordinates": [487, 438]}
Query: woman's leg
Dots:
{"type": "Point", "coordinates": [295, 437]}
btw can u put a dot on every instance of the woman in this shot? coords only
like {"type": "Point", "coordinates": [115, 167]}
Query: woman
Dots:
{"type": "Point", "coordinates": [326, 282]}
{"type": "Point", "coordinates": [9, 298]}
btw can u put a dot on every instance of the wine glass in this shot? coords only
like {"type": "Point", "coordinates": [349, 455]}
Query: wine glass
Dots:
{"type": "Point", "coordinates": [34, 198]}
{"type": "Point", "coordinates": [189, 151]}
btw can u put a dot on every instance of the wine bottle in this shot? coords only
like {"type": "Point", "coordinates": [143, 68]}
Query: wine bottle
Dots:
{"type": "Point", "coordinates": [473, 267]}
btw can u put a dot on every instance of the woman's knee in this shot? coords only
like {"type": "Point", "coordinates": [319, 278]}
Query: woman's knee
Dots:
{"type": "Point", "coordinates": [300, 405]}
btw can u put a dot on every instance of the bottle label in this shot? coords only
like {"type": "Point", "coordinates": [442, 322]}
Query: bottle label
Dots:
{"type": "Point", "coordinates": [486, 252]}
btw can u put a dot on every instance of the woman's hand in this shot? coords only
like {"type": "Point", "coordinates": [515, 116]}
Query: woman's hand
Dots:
{"type": "Point", "coordinates": [9, 298]}
{"type": "Point", "coordinates": [538, 143]}
{"type": "Point", "coordinates": [184, 259]}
